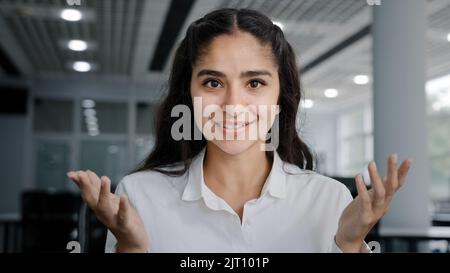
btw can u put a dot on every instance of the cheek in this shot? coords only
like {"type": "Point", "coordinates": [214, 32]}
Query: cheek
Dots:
{"type": "Point", "coordinates": [204, 106]}
{"type": "Point", "coordinates": [273, 96]}
{"type": "Point", "coordinates": [267, 95]}
{"type": "Point", "coordinates": [267, 109]}
{"type": "Point", "coordinates": [195, 90]}
{"type": "Point", "coordinates": [266, 117]}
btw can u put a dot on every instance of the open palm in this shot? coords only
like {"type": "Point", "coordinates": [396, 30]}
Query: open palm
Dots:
{"type": "Point", "coordinates": [113, 211]}
{"type": "Point", "coordinates": [369, 206]}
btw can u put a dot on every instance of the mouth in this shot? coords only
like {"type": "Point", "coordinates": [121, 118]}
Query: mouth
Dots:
{"type": "Point", "coordinates": [230, 127]}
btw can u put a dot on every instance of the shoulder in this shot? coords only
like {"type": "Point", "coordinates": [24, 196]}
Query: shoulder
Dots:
{"type": "Point", "coordinates": [150, 181]}
{"type": "Point", "coordinates": [319, 185]}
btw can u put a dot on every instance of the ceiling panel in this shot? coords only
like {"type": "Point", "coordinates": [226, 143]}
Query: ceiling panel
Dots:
{"type": "Point", "coordinates": [123, 35]}
{"type": "Point", "coordinates": [111, 31]}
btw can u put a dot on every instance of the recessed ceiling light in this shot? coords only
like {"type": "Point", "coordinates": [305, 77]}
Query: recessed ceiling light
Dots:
{"type": "Point", "coordinates": [93, 132]}
{"type": "Point", "coordinates": [90, 112]}
{"type": "Point", "coordinates": [279, 24]}
{"type": "Point", "coordinates": [91, 119]}
{"type": "Point", "coordinates": [72, 15]}
{"type": "Point", "coordinates": [307, 103]}
{"type": "Point", "coordinates": [77, 45]}
{"type": "Point", "coordinates": [113, 149]}
{"type": "Point", "coordinates": [81, 66]}
{"type": "Point", "coordinates": [92, 127]}
{"type": "Point", "coordinates": [331, 93]}
{"type": "Point", "coordinates": [448, 37]}
{"type": "Point", "coordinates": [88, 103]}
{"type": "Point", "coordinates": [92, 123]}
{"type": "Point", "coordinates": [361, 79]}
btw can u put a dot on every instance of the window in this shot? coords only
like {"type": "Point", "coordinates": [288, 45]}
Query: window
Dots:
{"type": "Point", "coordinates": [143, 147]}
{"type": "Point", "coordinates": [60, 146]}
{"type": "Point", "coordinates": [51, 163]}
{"type": "Point", "coordinates": [52, 128]}
{"type": "Point", "coordinates": [105, 157]}
{"type": "Point", "coordinates": [102, 141]}
{"type": "Point", "coordinates": [103, 117]}
{"type": "Point", "coordinates": [438, 102]}
{"type": "Point", "coordinates": [145, 118]}
{"type": "Point", "coordinates": [53, 115]}
{"type": "Point", "coordinates": [145, 138]}
{"type": "Point", "coordinates": [355, 141]}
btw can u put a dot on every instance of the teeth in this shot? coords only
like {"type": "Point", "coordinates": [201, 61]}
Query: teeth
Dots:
{"type": "Point", "coordinates": [234, 127]}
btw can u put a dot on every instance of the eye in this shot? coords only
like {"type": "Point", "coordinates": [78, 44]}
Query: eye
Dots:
{"type": "Point", "coordinates": [254, 84]}
{"type": "Point", "coordinates": [210, 83]}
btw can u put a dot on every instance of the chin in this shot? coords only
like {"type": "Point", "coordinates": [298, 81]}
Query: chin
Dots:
{"type": "Point", "coordinates": [234, 147]}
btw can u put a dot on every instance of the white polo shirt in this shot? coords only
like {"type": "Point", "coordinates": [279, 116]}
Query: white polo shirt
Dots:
{"type": "Point", "coordinates": [298, 211]}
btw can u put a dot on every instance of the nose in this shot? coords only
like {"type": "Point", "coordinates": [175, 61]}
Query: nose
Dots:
{"type": "Point", "coordinates": [233, 103]}
{"type": "Point", "coordinates": [233, 95]}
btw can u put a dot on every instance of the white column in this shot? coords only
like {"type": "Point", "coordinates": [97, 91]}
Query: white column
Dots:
{"type": "Point", "coordinates": [400, 123]}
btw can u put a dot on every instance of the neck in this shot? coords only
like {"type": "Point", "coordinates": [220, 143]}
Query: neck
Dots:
{"type": "Point", "coordinates": [243, 174]}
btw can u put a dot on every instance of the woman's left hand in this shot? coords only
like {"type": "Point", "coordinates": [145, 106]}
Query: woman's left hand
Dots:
{"type": "Point", "coordinates": [368, 207]}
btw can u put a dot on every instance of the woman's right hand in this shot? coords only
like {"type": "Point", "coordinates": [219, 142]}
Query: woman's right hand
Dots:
{"type": "Point", "coordinates": [113, 211]}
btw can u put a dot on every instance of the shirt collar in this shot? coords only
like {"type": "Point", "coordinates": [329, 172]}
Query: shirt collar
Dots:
{"type": "Point", "coordinates": [196, 188]}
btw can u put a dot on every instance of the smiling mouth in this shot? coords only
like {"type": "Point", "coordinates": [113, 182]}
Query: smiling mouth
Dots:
{"type": "Point", "coordinates": [233, 126]}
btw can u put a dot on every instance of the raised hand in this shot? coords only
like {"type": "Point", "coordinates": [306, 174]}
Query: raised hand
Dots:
{"type": "Point", "coordinates": [368, 207]}
{"type": "Point", "coordinates": [113, 211]}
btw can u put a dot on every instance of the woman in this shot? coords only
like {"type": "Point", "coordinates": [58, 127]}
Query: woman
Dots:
{"type": "Point", "coordinates": [226, 191]}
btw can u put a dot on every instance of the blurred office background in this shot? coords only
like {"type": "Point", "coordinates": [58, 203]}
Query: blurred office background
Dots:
{"type": "Point", "coordinates": [80, 81]}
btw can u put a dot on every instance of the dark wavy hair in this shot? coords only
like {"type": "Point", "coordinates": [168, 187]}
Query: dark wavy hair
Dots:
{"type": "Point", "coordinates": [168, 152]}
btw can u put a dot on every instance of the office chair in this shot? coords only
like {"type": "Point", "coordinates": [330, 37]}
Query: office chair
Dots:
{"type": "Point", "coordinates": [49, 220]}
{"type": "Point", "coordinates": [91, 232]}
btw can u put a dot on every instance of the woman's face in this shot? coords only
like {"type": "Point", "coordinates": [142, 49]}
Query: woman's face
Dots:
{"type": "Point", "coordinates": [235, 89]}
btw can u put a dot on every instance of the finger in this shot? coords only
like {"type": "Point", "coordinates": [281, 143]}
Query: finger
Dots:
{"type": "Point", "coordinates": [73, 176]}
{"type": "Point", "coordinates": [403, 171]}
{"type": "Point", "coordinates": [124, 209]}
{"type": "Point", "coordinates": [105, 191]}
{"type": "Point", "coordinates": [377, 185]}
{"type": "Point", "coordinates": [87, 190]}
{"type": "Point", "coordinates": [83, 177]}
{"type": "Point", "coordinates": [362, 192]}
{"type": "Point", "coordinates": [94, 179]}
{"type": "Point", "coordinates": [392, 179]}
{"type": "Point", "coordinates": [76, 176]}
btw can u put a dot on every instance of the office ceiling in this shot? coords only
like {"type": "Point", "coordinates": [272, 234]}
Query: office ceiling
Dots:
{"type": "Point", "coordinates": [135, 38]}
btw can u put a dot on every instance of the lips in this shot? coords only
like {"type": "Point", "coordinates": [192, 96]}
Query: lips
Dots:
{"type": "Point", "coordinates": [230, 126]}
{"type": "Point", "coordinates": [234, 126]}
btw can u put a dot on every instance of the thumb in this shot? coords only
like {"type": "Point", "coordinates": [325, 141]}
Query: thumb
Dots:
{"type": "Point", "coordinates": [124, 209]}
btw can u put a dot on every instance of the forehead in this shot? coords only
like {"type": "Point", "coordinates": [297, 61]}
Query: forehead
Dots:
{"type": "Point", "coordinates": [237, 50]}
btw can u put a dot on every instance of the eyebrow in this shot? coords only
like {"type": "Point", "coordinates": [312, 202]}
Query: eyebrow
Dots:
{"type": "Point", "coordinates": [254, 73]}
{"type": "Point", "coordinates": [210, 73]}
{"type": "Point", "coordinates": [245, 74]}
